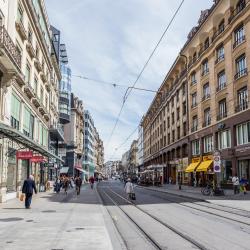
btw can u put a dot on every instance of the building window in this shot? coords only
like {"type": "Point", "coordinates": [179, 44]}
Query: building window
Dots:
{"type": "Point", "coordinates": [15, 112]}
{"type": "Point", "coordinates": [224, 139]}
{"type": "Point", "coordinates": [240, 5]}
{"type": "Point", "coordinates": [173, 135]}
{"type": "Point", "coordinates": [35, 85]}
{"type": "Point", "coordinates": [26, 122]}
{"type": "Point", "coordinates": [30, 35]}
{"type": "Point", "coordinates": [178, 133]}
{"type": "Point", "coordinates": [204, 68]}
{"type": "Point", "coordinates": [222, 109]}
{"type": "Point", "coordinates": [195, 147]}
{"type": "Point", "coordinates": [177, 96]}
{"type": "Point", "coordinates": [221, 26]}
{"type": "Point", "coordinates": [172, 102]}
{"type": "Point", "coordinates": [178, 114]}
{"type": "Point", "coordinates": [208, 143]}
{"type": "Point", "coordinates": [184, 128]}
{"type": "Point", "coordinates": [206, 91]}
{"type": "Point", "coordinates": [194, 123]}
{"type": "Point", "coordinates": [173, 118]}
{"type": "Point", "coordinates": [221, 78]}
{"type": "Point", "coordinates": [239, 36]}
{"type": "Point", "coordinates": [194, 57]}
{"type": "Point", "coordinates": [207, 117]}
{"type": "Point", "coordinates": [32, 124]}
{"type": "Point", "coordinates": [194, 100]}
{"type": "Point", "coordinates": [242, 99]}
{"type": "Point", "coordinates": [42, 95]}
{"type": "Point", "coordinates": [220, 54]}
{"type": "Point", "coordinates": [184, 108]}
{"type": "Point", "coordinates": [168, 122]}
{"type": "Point", "coordinates": [20, 14]}
{"type": "Point", "coordinates": [206, 43]}
{"type": "Point", "coordinates": [241, 66]}
{"type": "Point", "coordinates": [168, 138]}
{"type": "Point", "coordinates": [27, 74]}
{"type": "Point", "coordinates": [183, 89]}
{"type": "Point", "coordinates": [243, 133]}
{"type": "Point", "coordinates": [193, 78]}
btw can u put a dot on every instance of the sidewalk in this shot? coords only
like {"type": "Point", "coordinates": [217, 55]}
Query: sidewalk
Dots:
{"type": "Point", "coordinates": [57, 221]}
{"type": "Point", "coordinates": [238, 201]}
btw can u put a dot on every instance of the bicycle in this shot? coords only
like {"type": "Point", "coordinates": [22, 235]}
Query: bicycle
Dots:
{"type": "Point", "coordinates": [208, 190]}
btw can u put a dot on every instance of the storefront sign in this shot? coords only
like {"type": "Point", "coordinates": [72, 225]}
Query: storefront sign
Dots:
{"type": "Point", "coordinates": [24, 155]}
{"type": "Point", "coordinates": [37, 158]}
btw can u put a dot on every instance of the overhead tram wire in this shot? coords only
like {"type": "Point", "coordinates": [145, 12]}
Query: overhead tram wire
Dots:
{"type": "Point", "coordinates": [127, 93]}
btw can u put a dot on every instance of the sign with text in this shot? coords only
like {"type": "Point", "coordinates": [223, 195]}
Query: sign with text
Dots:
{"type": "Point", "coordinates": [24, 155]}
{"type": "Point", "coordinates": [37, 159]}
{"type": "Point", "coordinates": [217, 162]}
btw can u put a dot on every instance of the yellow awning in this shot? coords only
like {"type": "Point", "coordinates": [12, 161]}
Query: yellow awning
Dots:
{"type": "Point", "coordinates": [203, 167]}
{"type": "Point", "coordinates": [191, 167]}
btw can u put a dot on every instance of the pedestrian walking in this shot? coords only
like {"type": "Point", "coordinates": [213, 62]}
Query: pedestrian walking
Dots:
{"type": "Point", "coordinates": [91, 181]}
{"type": "Point", "coordinates": [129, 188]}
{"type": "Point", "coordinates": [28, 187]}
{"type": "Point", "coordinates": [57, 185]}
{"type": "Point", "coordinates": [66, 185]}
{"type": "Point", "coordinates": [78, 184]}
{"type": "Point", "coordinates": [243, 183]}
{"type": "Point", "coordinates": [236, 184]}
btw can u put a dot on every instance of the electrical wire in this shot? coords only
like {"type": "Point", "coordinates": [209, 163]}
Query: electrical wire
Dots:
{"type": "Point", "coordinates": [128, 91]}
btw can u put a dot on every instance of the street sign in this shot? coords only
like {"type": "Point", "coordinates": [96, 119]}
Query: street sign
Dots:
{"type": "Point", "coordinates": [217, 162]}
{"type": "Point", "coordinates": [24, 155]}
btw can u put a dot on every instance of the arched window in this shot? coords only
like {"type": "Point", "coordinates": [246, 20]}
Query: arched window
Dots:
{"type": "Point", "coordinates": [240, 5]}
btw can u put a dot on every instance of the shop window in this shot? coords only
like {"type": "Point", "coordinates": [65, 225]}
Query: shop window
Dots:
{"type": "Point", "coordinates": [224, 139]}
{"type": "Point", "coordinates": [243, 133]}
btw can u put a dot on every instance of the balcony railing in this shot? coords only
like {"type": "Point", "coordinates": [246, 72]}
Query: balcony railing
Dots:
{"type": "Point", "coordinates": [236, 11]}
{"type": "Point", "coordinates": [221, 116]}
{"type": "Point", "coordinates": [239, 41]}
{"type": "Point", "coordinates": [219, 58]}
{"type": "Point", "coordinates": [8, 45]}
{"type": "Point", "coordinates": [207, 122]}
{"type": "Point", "coordinates": [194, 105]}
{"type": "Point", "coordinates": [193, 82]}
{"type": "Point", "coordinates": [221, 87]}
{"type": "Point", "coordinates": [194, 128]}
{"type": "Point", "coordinates": [241, 107]}
{"type": "Point", "coordinates": [240, 74]}
{"type": "Point", "coordinates": [205, 72]}
{"type": "Point", "coordinates": [205, 97]}
{"type": "Point", "coordinates": [217, 33]}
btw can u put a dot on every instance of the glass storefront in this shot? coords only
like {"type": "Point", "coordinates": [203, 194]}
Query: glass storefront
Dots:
{"type": "Point", "coordinates": [11, 182]}
{"type": "Point", "coordinates": [244, 169]}
{"type": "Point", "coordinates": [226, 170]}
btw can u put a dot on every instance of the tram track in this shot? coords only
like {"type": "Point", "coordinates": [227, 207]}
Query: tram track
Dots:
{"type": "Point", "coordinates": [187, 238]}
{"type": "Point", "coordinates": [205, 211]}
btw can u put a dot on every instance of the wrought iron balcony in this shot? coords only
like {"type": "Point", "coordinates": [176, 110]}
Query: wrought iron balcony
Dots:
{"type": "Point", "coordinates": [204, 72]}
{"type": "Point", "coordinates": [239, 41]}
{"type": "Point", "coordinates": [56, 133]}
{"type": "Point", "coordinates": [9, 48]}
{"type": "Point", "coordinates": [221, 116]}
{"type": "Point", "coordinates": [194, 105]}
{"type": "Point", "coordinates": [207, 122]}
{"type": "Point", "coordinates": [221, 87]}
{"type": "Point", "coordinates": [241, 107]}
{"type": "Point", "coordinates": [205, 97]}
{"type": "Point", "coordinates": [219, 59]}
{"type": "Point", "coordinates": [237, 11]}
{"type": "Point", "coordinates": [193, 82]}
{"type": "Point", "coordinates": [194, 128]}
{"type": "Point", "coordinates": [240, 74]}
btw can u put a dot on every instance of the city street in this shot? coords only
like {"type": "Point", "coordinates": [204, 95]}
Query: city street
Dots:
{"type": "Point", "coordinates": [159, 220]}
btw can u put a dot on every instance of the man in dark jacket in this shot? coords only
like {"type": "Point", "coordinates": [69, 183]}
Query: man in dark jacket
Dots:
{"type": "Point", "coordinates": [27, 189]}
{"type": "Point", "coordinates": [78, 183]}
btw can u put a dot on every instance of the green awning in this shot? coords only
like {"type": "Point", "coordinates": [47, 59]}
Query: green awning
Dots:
{"type": "Point", "coordinates": [19, 137]}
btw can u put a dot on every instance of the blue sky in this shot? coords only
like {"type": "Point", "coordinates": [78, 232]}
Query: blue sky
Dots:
{"type": "Point", "coordinates": [111, 40]}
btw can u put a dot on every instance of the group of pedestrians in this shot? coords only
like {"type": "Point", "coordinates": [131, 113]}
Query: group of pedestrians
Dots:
{"type": "Point", "coordinates": [239, 184]}
{"type": "Point", "coordinates": [65, 182]}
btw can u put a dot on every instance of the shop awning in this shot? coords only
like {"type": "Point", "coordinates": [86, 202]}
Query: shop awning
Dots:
{"type": "Point", "coordinates": [203, 167]}
{"type": "Point", "coordinates": [191, 167]}
{"type": "Point", "coordinates": [27, 142]}
{"type": "Point", "coordinates": [64, 170]}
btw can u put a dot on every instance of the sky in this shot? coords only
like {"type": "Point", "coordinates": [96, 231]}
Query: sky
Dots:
{"type": "Point", "coordinates": [110, 41]}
